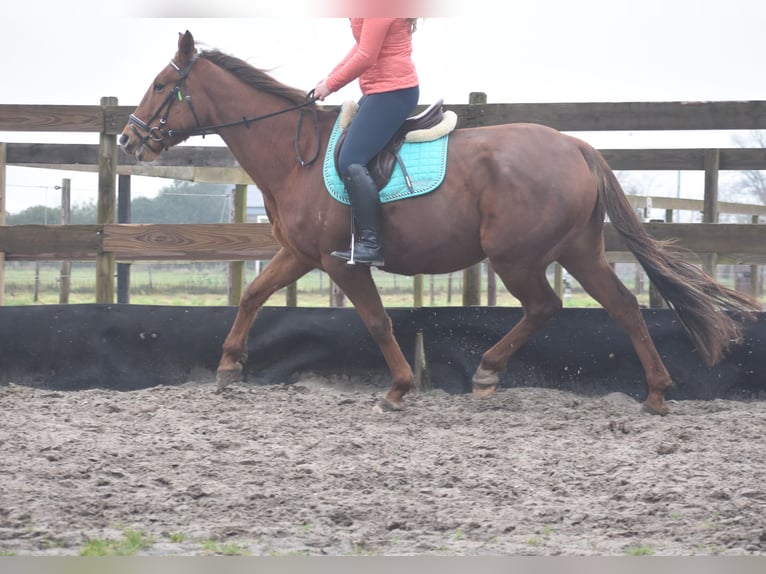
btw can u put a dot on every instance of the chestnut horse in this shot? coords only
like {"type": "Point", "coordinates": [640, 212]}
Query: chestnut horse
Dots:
{"type": "Point", "coordinates": [521, 195]}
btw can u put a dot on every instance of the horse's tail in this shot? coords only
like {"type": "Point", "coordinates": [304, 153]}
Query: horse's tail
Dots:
{"type": "Point", "coordinates": [711, 314]}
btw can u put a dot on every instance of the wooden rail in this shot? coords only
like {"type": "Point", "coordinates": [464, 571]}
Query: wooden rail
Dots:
{"type": "Point", "coordinates": [212, 164]}
{"type": "Point", "coordinates": [108, 242]}
{"type": "Point", "coordinates": [739, 243]}
{"type": "Point", "coordinates": [576, 116]}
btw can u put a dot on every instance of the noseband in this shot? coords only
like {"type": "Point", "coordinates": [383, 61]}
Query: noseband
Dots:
{"type": "Point", "coordinates": [157, 133]}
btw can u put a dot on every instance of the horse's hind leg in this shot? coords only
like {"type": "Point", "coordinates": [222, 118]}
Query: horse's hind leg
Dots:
{"type": "Point", "coordinates": [282, 270]}
{"type": "Point", "coordinates": [597, 278]}
{"type": "Point", "coordinates": [539, 302]}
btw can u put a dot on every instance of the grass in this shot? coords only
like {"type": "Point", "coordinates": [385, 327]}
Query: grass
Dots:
{"type": "Point", "coordinates": [275, 553]}
{"type": "Point", "coordinates": [131, 543]}
{"type": "Point", "coordinates": [229, 549]}
{"type": "Point", "coordinates": [714, 550]}
{"type": "Point", "coordinates": [640, 551]}
{"type": "Point", "coordinates": [711, 523]}
{"type": "Point", "coordinates": [206, 284]}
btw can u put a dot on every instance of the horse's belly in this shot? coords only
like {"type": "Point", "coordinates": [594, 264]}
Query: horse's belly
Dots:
{"type": "Point", "coordinates": [430, 250]}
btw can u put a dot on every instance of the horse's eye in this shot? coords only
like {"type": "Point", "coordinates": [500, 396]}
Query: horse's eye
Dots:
{"type": "Point", "coordinates": [158, 87]}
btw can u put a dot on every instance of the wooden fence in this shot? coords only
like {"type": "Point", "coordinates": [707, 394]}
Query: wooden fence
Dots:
{"type": "Point", "coordinates": [108, 242]}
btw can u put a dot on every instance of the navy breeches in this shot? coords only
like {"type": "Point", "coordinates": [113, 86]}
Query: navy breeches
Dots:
{"type": "Point", "coordinates": [375, 122]}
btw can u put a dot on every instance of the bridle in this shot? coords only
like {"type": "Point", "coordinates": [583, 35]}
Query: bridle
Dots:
{"type": "Point", "coordinates": [157, 133]}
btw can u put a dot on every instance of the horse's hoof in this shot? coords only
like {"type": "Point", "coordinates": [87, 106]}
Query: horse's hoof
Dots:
{"type": "Point", "coordinates": [386, 406]}
{"type": "Point", "coordinates": [224, 378]}
{"type": "Point", "coordinates": [660, 409]}
{"type": "Point", "coordinates": [480, 392]}
{"type": "Point", "coordinates": [484, 383]}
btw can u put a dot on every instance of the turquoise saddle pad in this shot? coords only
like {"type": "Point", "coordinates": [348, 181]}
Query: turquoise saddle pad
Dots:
{"type": "Point", "coordinates": [426, 163]}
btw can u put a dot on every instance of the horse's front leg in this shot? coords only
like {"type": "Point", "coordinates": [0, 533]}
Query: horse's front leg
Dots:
{"type": "Point", "coordinates": [358, 285]}
{"type": "Point", "coordinates": [282, 270]}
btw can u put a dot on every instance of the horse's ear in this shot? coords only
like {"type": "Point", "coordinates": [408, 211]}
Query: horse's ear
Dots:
{"type": "Point", "coordinates": [185, 44]}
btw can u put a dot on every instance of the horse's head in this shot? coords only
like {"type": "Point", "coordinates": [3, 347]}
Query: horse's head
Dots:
{"type": "Point", "coordinates": [165, 115]}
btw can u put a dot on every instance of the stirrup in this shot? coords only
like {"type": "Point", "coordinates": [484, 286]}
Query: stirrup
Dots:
{"type": "Point", "coordinates": [369, 245]}
{"type": "Point", "coordinates": [350, 258]}
{"type": "Point", "coordinates": [347, 256]}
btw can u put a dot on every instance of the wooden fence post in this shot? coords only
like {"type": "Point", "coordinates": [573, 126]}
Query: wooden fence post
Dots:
{"type": "Point", "coordinates": [558, 280]}
{"type": "Point", "coordinates": [291, 294]}
{"type": "Point", "coordinates": [123, 216]}
{"type": "Point", "coordinates": [3, 148]}
{"type": "Point", "coordinates": [710, 211]}
{"type": "Point", "coordinates": [432, 289]}
{"type": "Point", "coordinates": [472, 275]}
{"type": "Point", "coordinates": [65, 273]}
{"type": "Point", "coordinates": [337, 297]}
{"type": "Point", "coordinates": [417, 291]}
{"type": "Point", "coordinates": [755, 270]}
{"type": "Point", "coordinates": [421, 375]}
{"type": "Point", "coordinates": [656, 300]}
{"type": "Point", "coordinates": [107, 170]}
{"type": "Point", "coordinates": [491, 286]}
{"type": "Point", "coordinates": [237, 268]}
{"type": "Point", "coordinates": [472, 286]}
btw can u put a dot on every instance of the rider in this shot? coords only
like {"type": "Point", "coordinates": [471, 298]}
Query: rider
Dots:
{"type": "Point", "coordinates": [381, 61]}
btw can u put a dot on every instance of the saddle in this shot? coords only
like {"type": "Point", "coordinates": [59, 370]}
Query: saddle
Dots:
{"type": "Point", "coordinates": [432, 123]}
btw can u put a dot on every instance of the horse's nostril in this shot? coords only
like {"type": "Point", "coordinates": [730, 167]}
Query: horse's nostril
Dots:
{"type": "Point", "coordinates": [124, 140]}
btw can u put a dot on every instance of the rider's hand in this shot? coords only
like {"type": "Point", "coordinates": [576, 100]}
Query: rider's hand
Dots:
{"type": "Point", "coordinates": [321, 91]}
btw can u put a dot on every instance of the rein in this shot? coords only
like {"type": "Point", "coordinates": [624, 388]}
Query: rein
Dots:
{"type": "Point", "coordinates": [157, 133]}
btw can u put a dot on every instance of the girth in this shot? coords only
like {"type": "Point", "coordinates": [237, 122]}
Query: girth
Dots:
{"type": "Point", "coordinates": [382, 165]}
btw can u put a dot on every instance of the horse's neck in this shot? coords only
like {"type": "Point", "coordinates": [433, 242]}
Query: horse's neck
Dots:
{"type": "Point", "coordinates": [266, 148]}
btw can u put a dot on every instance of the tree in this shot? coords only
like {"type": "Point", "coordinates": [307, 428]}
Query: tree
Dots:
{"type": "Point", "coordinates": [42, 215]}
{"type": "Point", "coordinates": [751, 184]}
{"type": "Point", "coordinates": [184, 202]}
{"type": "Point", "coordinates": [179, 202]}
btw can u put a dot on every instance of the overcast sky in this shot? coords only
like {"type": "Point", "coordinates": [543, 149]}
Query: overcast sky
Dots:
{"type": "Point", "coordinates": [515, 51]}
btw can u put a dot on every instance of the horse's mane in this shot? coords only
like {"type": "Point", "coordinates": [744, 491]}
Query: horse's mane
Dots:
{"type": "Point", "coordinates": [254, 77]}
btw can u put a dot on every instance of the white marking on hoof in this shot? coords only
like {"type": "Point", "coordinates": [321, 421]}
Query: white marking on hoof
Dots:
{"type": "Point", "coordinates": [225, 378]}
{"type": "Point", "coordinates": [383, 406]}
{"type": "Point", "coordinates": [484, 382]}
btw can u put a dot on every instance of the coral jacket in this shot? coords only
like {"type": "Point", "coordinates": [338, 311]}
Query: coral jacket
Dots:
{"type": "Point", "coordinates": [381, 58]}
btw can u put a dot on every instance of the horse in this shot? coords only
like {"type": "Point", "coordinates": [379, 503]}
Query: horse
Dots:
{"type": "Point", "coordinates": [520, 195]}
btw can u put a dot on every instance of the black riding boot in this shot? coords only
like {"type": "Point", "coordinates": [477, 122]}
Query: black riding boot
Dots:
{"type": "Point", "coordinates": [365, 202]}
